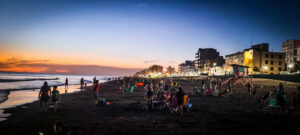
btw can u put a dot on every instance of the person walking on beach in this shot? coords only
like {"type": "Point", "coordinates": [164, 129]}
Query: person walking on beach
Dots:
{"type": "Point", "coordinates": [66, 85]}
{"type": "Point", "coordinates": [55, 97]}
{"type": "Point", "coordinates": [44, 95]}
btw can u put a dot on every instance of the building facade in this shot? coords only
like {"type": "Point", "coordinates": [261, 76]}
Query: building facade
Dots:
{"type": "Point", "coordinates": [187, 68]}
{"type": "Point", "coordinates": [235, 58]}
{"type": "Point", "coordinates": [207, 58]}
{"type": "Point", "coordinates": [259, 60]}
{"type": "Point", "coordinates": [291, 49]}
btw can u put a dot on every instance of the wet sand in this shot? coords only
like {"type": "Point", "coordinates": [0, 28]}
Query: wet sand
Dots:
{"type": "Point", "coordinates": [209, 115]}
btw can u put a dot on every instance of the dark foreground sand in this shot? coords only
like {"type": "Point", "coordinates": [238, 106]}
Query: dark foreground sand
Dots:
{"type": "Point", "coordinates": [210, 115]}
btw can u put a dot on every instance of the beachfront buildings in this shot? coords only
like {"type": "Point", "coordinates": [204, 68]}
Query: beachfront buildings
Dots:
{"type": "Point", "coordinates": [259, 60]}
{"type": "Point", "coordinates": [291, 48]}
{"type": "Point", "coordinates": [207, 58]}
{"type": "Point", "coordinates": [187, 68]}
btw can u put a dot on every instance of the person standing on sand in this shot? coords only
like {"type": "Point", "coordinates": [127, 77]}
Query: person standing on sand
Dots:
{"type": "Point", "coordinates": [249, 88]}
{"type": "Point", "coordinates": [66, 85]}
{"type": "Point", "coordinates": [94, 81]}
{"type": "Point", "coordinates": [96, 90]}
{"type": "Point", "coordinates": [81, 83]}
{"type": "Point", "coordinates": [44, 95]}
{"type": "Point", "coordinates": [55, 97]}
{"type": "Point", "coordinates": [180, 97]}
{"type": "Point", "coordinates": [280, 97]}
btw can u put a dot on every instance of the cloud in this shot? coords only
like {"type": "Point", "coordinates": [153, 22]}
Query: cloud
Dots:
{"type": "Point", "coordinates": [14, 62]}
{"type": "Point", "coordinates": [43, 66]}
{"type": "Point", "coordinates": [150, 61]}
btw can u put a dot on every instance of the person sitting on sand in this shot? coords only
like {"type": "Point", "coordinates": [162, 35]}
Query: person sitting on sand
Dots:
{"type": "Point", "coordinates": [180, 97]}
{"type": "Point", "coordinates": [61, 129]}
{"type": "Point", "coordinates": [208, 92]}
{"type": "Point", "coordinates": [55, 97]}
{"type": "Point", "coordinates": [44, 95]}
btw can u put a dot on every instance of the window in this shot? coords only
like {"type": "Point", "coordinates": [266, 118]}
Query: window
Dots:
{"type": "Point", "coordinates": [272, 68]}
{"type": "Point", "coordinates": [267, 55]}
{"type": "Point", "coordinates": [279, 69]}
{"type": "Point", "coordinates": [266, 62]}
{"type": "Point", "coordinates": [272, 56]}
{"type": "Point", "coordinates": [280, 56]}
{"type": "Point", "coordinates": [280, 63]}
{"type": "Point", "coordinates": [272, 62]}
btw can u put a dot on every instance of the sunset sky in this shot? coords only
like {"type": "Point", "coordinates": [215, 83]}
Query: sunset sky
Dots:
{"type": "Point", "coordinates": [122, 37]}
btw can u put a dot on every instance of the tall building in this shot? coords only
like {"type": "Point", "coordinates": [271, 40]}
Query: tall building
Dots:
{"type": "Point", "coordinates": [207, 58]}
{"type": "Point", "coordinates": [259, 59]}
{"type": "Point", "coordinates": [291, 48]}
{"type": "Point", "coordinates": [187, 68]}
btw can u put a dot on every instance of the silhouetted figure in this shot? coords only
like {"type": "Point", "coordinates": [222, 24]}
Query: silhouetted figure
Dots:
{"type": "Point", "coordinates": [81, 83]}
{"type": "Point", "coordinates": [55, 97]}
{"type": "Point", "coordinates": [280, 97]}
{"type": "Point", "coordinates": [66, 85]}
{"type": "Point", "coordinates": [44, 95]}
{"type": "Point", "coordinates": [180, 98]}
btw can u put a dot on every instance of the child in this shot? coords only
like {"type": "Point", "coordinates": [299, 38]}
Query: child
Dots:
{"type": "Point", "coordinates": [55, 97]}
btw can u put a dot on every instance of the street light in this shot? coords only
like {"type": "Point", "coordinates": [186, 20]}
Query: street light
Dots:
{"type": "Point", "coordinates": [265, 67]}
{"type": "Point", "coordinates": [290, 66]}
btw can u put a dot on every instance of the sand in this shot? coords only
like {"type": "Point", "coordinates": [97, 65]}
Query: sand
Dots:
{"type": "Point", "coordinates": [209, 115]}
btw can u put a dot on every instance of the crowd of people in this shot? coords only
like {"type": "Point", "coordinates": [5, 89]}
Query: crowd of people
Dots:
{"type": "Point", "coordinates": [161, 94]}
{"type": "Point", "coordinates": [167, 95]}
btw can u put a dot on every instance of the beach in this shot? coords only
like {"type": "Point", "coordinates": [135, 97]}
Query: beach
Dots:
{"type": "Point", "coordinates": [125, 115]}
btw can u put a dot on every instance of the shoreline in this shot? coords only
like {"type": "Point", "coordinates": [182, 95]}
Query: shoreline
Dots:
{"type": "Point", "coordinates": [3, 115]}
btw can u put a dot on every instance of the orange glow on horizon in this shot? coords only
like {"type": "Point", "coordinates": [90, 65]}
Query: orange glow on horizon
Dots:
{"type": "Point", "coordinates": [62, 71]}
{"type": "Point", "coordinates": [24, 69]}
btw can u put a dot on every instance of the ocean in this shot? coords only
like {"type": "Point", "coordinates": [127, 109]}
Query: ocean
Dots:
{"type": "Point", "coordinates": [20, 88]}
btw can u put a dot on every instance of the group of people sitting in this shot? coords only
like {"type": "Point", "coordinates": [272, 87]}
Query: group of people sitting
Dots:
{"type": "Point", "coordinates": [277, 100]}
{"type": "Point", "coordinates": [165, 95]}
{"type": "Point", "coordinates": [126, 85]}
{"type": "Point", "coordinates": [210, 87]}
